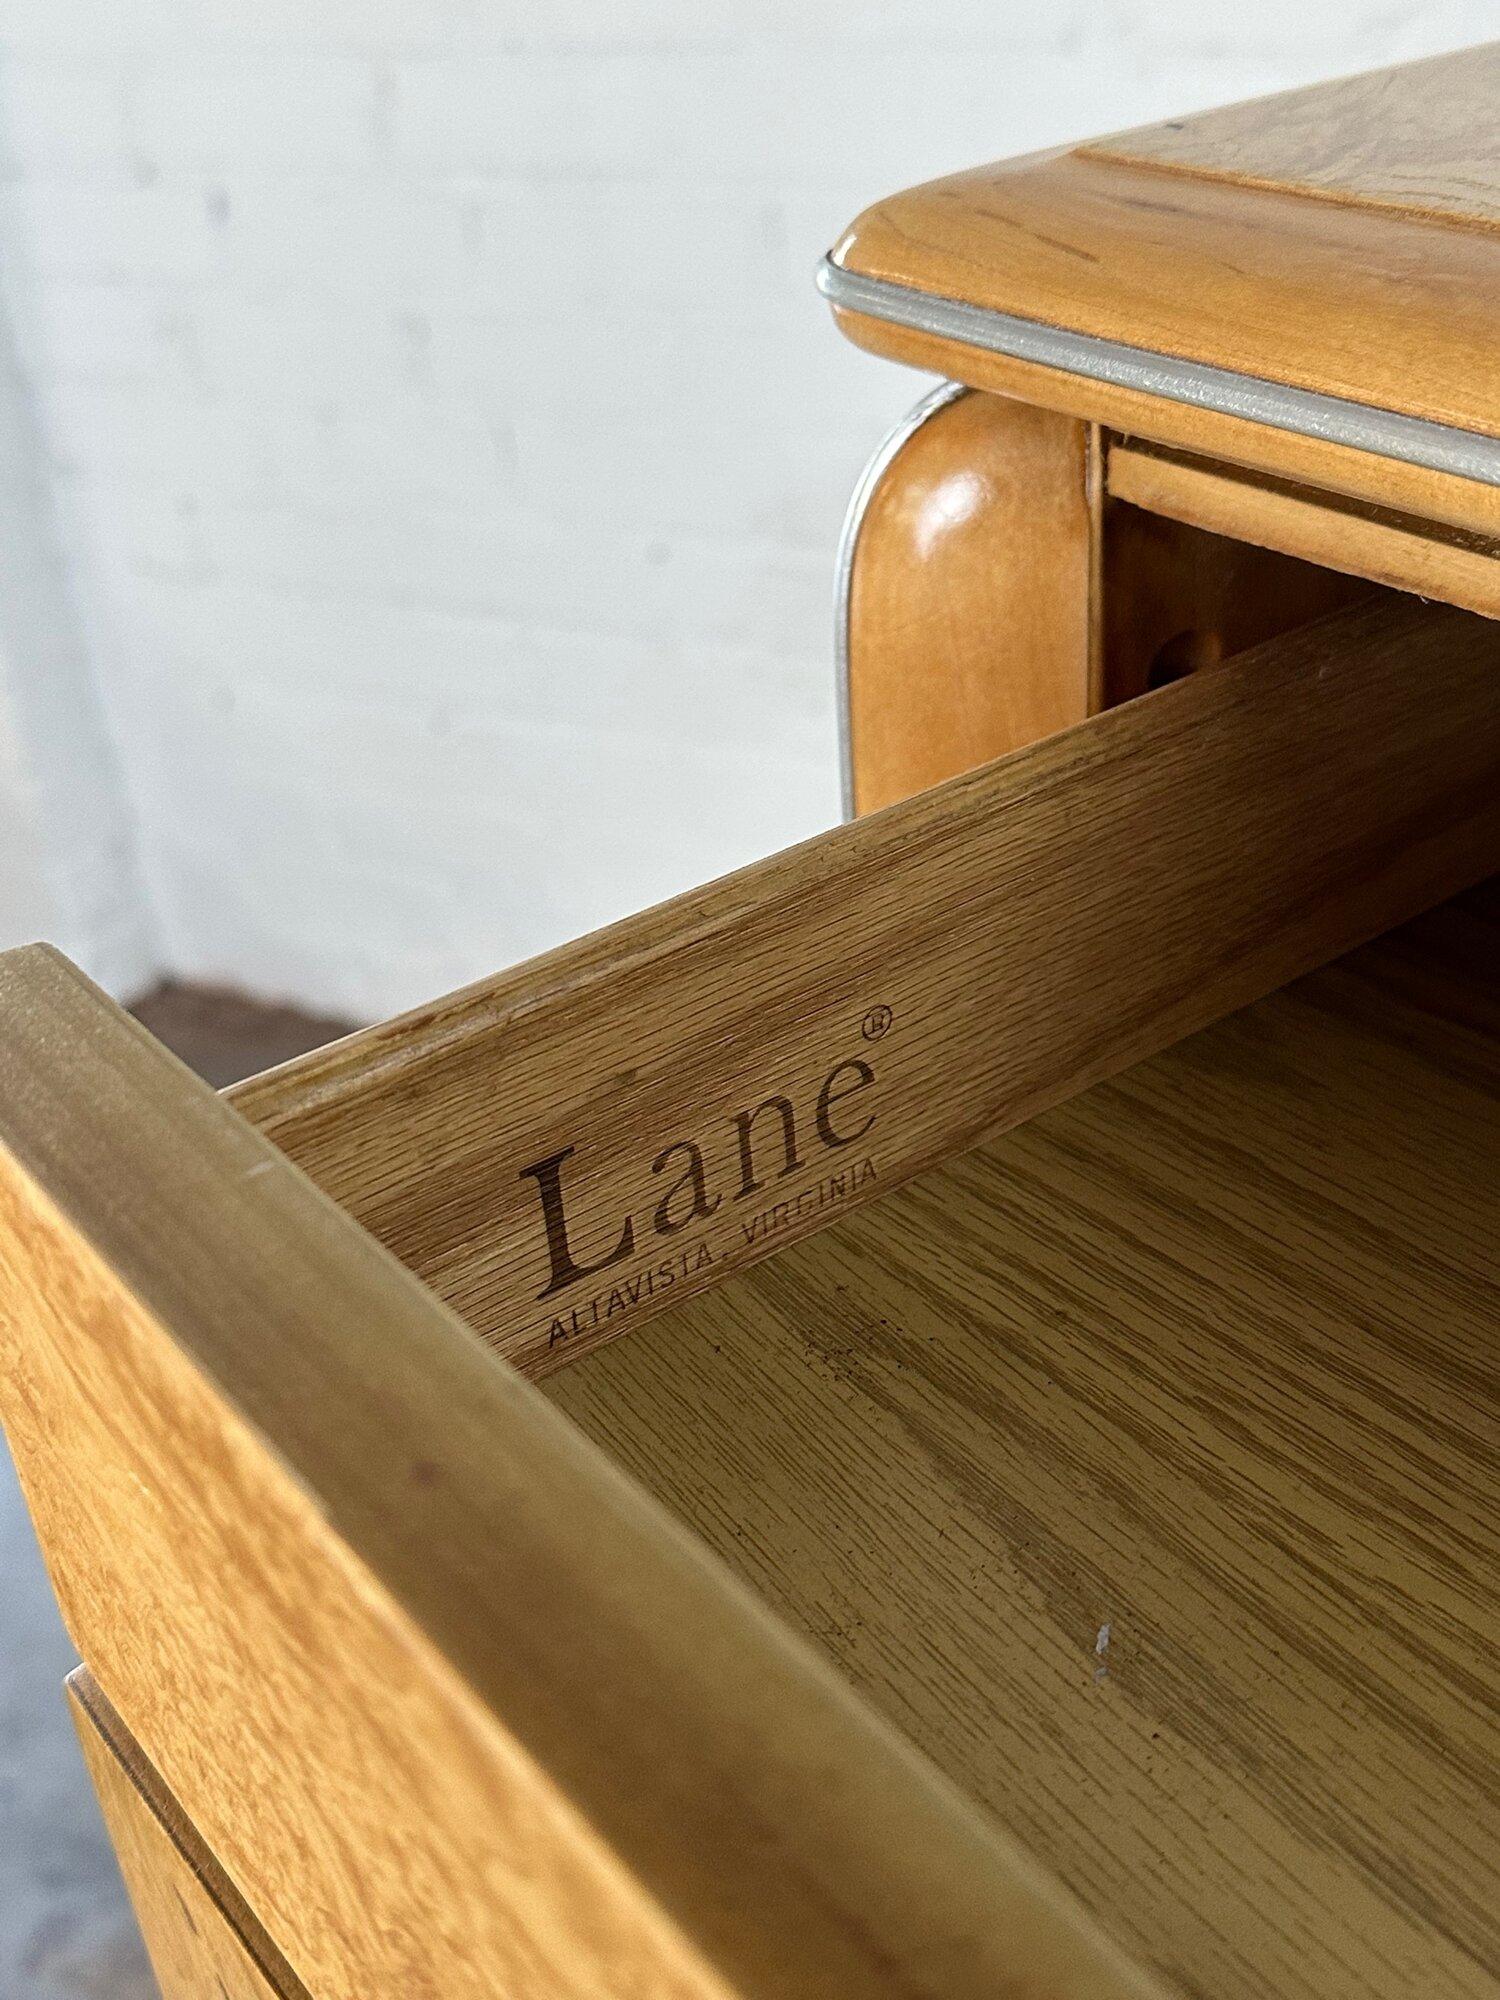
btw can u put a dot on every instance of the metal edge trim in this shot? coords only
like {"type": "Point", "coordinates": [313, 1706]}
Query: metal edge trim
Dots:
{"type": "Point", "coordinates": [1306, 412]}
{"type": "Point", "coordinates": [884, 455]}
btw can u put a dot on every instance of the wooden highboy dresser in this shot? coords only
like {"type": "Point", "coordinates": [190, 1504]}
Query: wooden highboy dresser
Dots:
{"type": "Point", "coordinates": [921, 1422]}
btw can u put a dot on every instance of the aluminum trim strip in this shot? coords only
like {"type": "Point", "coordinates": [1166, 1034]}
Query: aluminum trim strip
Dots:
{"type": "Point", "coordinates": [1306, 412]}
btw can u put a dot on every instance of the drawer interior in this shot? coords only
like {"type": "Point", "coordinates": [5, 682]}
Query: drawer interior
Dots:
{"type": "Point", "coordinates": [1358, 539]}
{"type": "Point", "coordinates": [1201, 559]}
{"type": "Point", "coordinates": [1177, 598]}
{"type": "Point", "coordinates": [1143, 1467]}
{"type": "Point", "coordinates": [1135, 1465]}
{"type": "Point", "coordinates": [565, 1149]}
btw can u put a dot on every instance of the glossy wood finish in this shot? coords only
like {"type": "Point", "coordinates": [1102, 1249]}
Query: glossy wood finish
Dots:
{"type": "Point", "coordinates": [1436, 496]}
{"type": "Point", "coordinates": [1361, 263]}
{"type": "Point", "coordinates": [458, 1710]}
{"type": "Point", "coordinates": [1452, 565]}
{"type": "Point", "coordinates": [1361, 303]}
{"type": "Point", "coordinates": [1419, 139]}
{"type": "Point", "coordinates": [941, 970]}
{"type": "Point", "coordinates": [970, 627]}
{"type": "Point", "coordinates": [1339, 240]}
{"type": "Point", "coordinates": [205, 1943]}
{"type": "Point", "coordinates": [1145, 1468]}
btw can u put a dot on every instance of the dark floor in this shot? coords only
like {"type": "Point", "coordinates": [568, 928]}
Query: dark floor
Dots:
{"type": "Point", "coordinates": [225, 1036]}
{"type": "Point", "coordinates": [66, 1932]}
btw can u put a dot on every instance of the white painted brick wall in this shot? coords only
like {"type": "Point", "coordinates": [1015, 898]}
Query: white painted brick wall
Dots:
{"type": "Point", "coordinates": [449, 445]}
{"type": "Point", "coordinates": [68, 861]}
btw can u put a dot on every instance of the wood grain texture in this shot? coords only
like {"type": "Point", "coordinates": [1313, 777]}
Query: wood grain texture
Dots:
{"type": "Point", "coordinates": [970, 604]}
{"type": "Point", "coordinates": [1368, 305]}
{"type": "Point", "coordinates": [1436, 496]}
{"type": "Point", "coordinates": [1452, 565]}
{"type": "Point", "coordinates": [1145, 1467]}
{"type": "Point", "coordinates": [205, 1944]}
{"type": "Point", "coordinates": [458, 1709]}
{"type": "Point", "coordinates": [944, 968]}
{"type": "Point", "coordinates": [1272, 240]}
{"type": "Point", "coordinates": [1419, 139]}
{"type": "Point", "coordinates": [1177, 599]}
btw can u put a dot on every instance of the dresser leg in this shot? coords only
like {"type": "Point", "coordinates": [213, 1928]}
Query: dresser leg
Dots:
{"type": "Point", "coordinates": [966, 602]}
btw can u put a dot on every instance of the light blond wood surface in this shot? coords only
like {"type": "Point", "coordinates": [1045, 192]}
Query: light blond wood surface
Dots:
{"type": "Point", "coordinates": [1452, 565]}
{"type": "Point", "coordinates": [1145, 1468]}
{"type": "Point", "coordinates": [1292, 241]}
{"type": "Point", "coordinates": [1366, 304]}
{"type": "Point", "coordinates": [1419, 139]}
{"type": "Point", "coordinates": [455, 1706]}
{"type": "Point", "coordinates": [970, 625]}
{"type": "Point", "coordinates": [204, 1943]}
{"type": "Point", "coordinates": [1365, 475]}
{"type": "Point", "coordinates": [927, 976]}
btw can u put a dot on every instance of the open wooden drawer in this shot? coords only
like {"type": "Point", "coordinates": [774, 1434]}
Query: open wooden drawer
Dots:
{"type": "Point", "coordinates": [1143, 1466]}
{"type": "Point", "coordinates": [1075, 1569]}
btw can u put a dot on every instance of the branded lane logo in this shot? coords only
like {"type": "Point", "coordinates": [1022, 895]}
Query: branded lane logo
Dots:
{"type": "Point", "coordinates": [762, 1146]}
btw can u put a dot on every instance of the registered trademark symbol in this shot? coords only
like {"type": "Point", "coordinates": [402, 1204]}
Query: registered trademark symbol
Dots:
{"type": "Point", "coordinates": [876, 1023]}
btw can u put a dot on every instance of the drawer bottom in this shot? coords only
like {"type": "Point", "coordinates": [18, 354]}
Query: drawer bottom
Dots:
{"type": "Point", "coordinates": [1140, 1467]}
